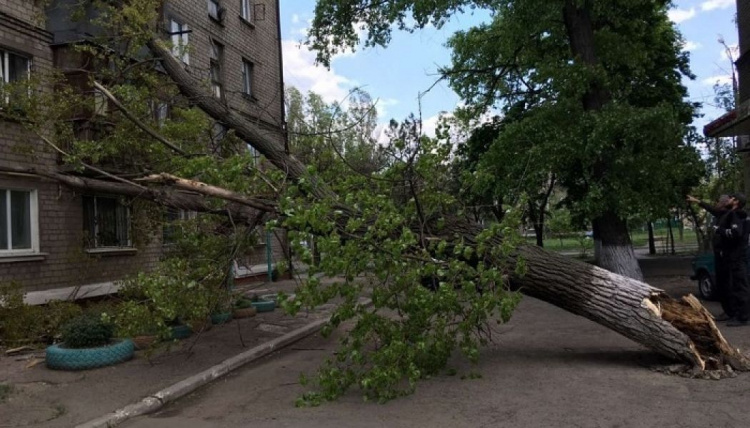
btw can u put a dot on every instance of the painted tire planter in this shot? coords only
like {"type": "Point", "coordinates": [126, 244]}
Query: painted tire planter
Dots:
{"type": "Point", "coordinates": [264, 305]}
{"type": "Point", "coordinates": [60, 358]}
{"type": "Point", "coordinates": [221, 318]}
{"type": "Point", "coordinates": [181, 332]}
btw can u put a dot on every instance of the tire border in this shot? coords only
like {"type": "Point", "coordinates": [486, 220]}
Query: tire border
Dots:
{"type": "Point", "coordinates": [59, 358]}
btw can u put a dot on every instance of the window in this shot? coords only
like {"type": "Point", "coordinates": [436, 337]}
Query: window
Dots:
{"type": "Point", "coordinates": [214, 10]}
{"type": "Point", "coordinates": [101, 103]}
{"type": "Point", "coordinates": [174, 219]}
{"type": "Point", "coordinates": [254, 154]}
{"type": "Point", "coordinates": [217, 51]}
{"type": "Point", "coordinates": [246, 11]}
{"type": "Point", "coordinates": [161, 112]}
{"type": "Point", "coordinates": [180, 41]}
{"type": "Point", "coordinates": [13, 68]}
{"type": "Point", "coordinates": [106, 222]}
{"type": "Point", "coordinates": [18, 222]}
{"type": "Point", "coordinates": [247, 78]}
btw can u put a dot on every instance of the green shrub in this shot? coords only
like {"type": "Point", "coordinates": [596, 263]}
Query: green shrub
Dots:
{"type": "Point", "coordinates": [57, 313]}
{"type": "Point", "coordinates": [138, 319]}
{"type": "Point", "coordinates": [87, 331]}
{"type": "Point", "coordinates": [19, 323]}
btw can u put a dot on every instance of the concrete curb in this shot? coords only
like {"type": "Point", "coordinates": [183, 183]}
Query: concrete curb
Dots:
{"type": "Point", "coordinates": [156, 401]}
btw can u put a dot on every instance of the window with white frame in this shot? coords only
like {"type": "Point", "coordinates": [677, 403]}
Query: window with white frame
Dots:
{"type": "Point", "coordinates": [19, 230]}
{"type": "Point", "coordinates": [13, 68]}
{"type": "Point", "coordinates": [160, 112]}
{"type": "Point", "coordinates": [216, 54]}
{"type": "Point", "coordinates": [247, 77]}
{"type": "Point", "coordinates": [254, 154]}
{"type": "Point", "coordinates": [180, 40]}
{"type": "Point", "coordinates": [106, 222]}
{"type": "Point", "coordinates": [246, 11]}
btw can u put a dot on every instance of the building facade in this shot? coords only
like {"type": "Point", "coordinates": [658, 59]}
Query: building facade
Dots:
{"type": "Point", "coordinates": [736, 123]}
{"type": "Point", "coordinates": [58, 242]}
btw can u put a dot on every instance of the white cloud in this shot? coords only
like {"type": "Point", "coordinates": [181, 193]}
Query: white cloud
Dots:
{"type": "Point", "coordinates": [382, 104]}
{"type": "Point", "coordinates": [690, 46]}
{"type": "Point", "coordinates": [301, 72]}
{"type": "Point", "coordinates": [295, 19]}
{"type": "Point", "coordinates": [717, 4]}
{"type": "Point", "coordinates": [681, 15]}
{"type": "Point", "coordinates": [718, 79]}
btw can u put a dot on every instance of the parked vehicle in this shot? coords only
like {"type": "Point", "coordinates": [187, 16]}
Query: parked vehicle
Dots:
{"type": "Point", "coordinates": [704, 272]}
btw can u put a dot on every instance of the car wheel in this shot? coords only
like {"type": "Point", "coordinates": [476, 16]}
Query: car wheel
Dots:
{"type": "Point", "coordinates": [705, 286]}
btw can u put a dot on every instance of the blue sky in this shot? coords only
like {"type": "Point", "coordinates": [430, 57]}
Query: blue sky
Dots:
{"type": "Point", "coordinates": [396, 75]}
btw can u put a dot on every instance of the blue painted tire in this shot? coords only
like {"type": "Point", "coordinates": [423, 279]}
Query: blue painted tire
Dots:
{"type": "Point", "coordinates": [264, 305]}
{"type": "Point", "coordinates": [221, 318]}
{"type": "Point", "coordinates": [59, 358]}
{"type": "Point", "coordinates": [181, 332]}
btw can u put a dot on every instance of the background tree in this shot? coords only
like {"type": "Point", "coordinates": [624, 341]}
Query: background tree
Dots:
{"type": "Point", "coordinates": [607, 74]}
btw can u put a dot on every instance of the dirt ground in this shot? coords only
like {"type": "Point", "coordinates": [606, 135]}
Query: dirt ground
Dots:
{"type": "Point", "coordinates": [546, 368]}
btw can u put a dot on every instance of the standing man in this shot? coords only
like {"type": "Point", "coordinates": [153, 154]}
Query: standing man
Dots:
{"type": "Point", "coordinates": [723, 279]}
{"type": "Point", "coordinates": [734, 229]}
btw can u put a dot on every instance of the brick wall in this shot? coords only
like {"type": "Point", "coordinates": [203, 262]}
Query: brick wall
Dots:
{"type": "Point", "coordinates": [256, 42]}
{"type": "Point", "coordinates": [25, 10]}
{"type": "Point", "coordinates": [63, 261]}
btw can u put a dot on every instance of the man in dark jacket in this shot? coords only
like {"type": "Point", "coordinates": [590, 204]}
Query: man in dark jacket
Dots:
{"type": "Point", "coordinates": [723, 285]}
{"type": "Point", "coordinates": [730, 237]}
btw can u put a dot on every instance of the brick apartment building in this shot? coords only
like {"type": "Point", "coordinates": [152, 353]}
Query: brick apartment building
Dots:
{"type": "Point", "coordinates": [59, 243]}
{"type": "Point", "coordinates": [736, 123]}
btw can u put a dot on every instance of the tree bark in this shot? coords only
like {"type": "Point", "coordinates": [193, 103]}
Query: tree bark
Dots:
{"type": "Point", "coordinates": [681, 330]}
{"type": "Point", "coordinates": [241, 213]}
{"type": "Point", "coordinates": [613, 249]}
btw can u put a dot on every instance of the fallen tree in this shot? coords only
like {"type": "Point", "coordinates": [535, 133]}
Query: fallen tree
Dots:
{"type": "Point", "coordinates": [681, 330]}
{"type": "Point", "coordinates": [398, 244]}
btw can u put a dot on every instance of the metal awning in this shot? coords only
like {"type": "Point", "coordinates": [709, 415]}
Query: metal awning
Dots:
{"type": "Point", "coordinates": [732, 124]}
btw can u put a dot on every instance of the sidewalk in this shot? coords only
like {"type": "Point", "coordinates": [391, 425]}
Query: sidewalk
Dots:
{"type": "Point", "coordinates": [41, 397]}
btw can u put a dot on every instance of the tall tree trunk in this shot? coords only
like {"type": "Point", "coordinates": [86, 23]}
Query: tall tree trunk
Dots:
{"type": "Point", "coordinates": [612, 247]}
{"type": "Point", "coordinates": [537, 223]}
{"type": "Point", "coordinates": [651, 243]}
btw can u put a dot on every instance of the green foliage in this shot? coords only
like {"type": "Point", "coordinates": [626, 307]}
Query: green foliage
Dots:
{"type": "Point", "coordinates": [19, 323]}
{"type": "Point", "coordinates": [87, 331]}
{"type": "Point", "coordinates": [400, 237]}
{"type": "Point", "coordinates": [24, 324]}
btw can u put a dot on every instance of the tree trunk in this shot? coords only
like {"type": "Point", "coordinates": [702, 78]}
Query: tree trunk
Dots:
{"type": "Point", "coordinates": [612, 247]}
{"type": "Point", "coordinates": [651, 243]}
{"type": "Point", "coordinates": [683, 331]}
{"type": "Point", "coordinates": [671, 234]}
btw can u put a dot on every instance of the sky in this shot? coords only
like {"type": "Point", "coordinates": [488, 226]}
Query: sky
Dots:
{"type": "Point", "coordinates": [395, 76]}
